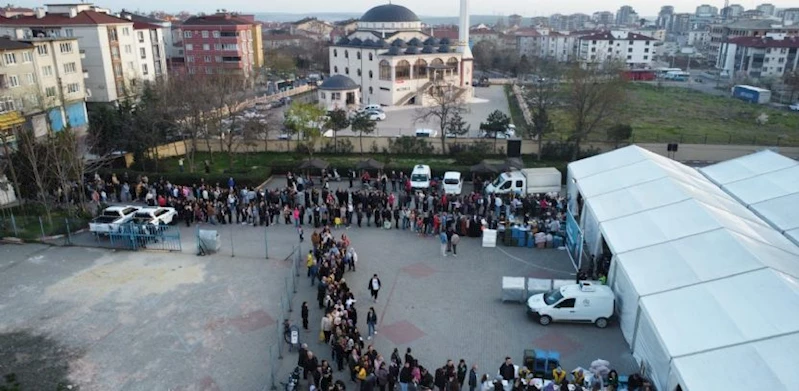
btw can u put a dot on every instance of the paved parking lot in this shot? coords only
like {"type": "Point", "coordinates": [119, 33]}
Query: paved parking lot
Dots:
{"type": "Point", "coordinates": [105, 319]}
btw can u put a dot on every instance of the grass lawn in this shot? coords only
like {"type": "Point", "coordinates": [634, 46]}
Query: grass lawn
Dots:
{"type": "Point", "coordinates": [674, 114]}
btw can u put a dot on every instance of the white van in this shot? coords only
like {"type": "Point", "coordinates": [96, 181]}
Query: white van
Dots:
{"type": "Point", "coordinates": [453, 182]}
{"type": "Point", "coordinates": [426, 133]}
{"type": "Point", "coordinates": [584, 302]}
{"type": "Point", "coordinates": [420, 177]}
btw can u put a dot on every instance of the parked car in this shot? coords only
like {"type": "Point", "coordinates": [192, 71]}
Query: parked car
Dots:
{"type": "Point", "coordinates": [426, 133]}
{"type": "Point", "coordinates": [584, 302]}
{"type": "Point", "coordinates": [376, 115]}
{"type": "Point", "coordinates": [794, 107]}
{"type": "Point", "coordinates": [453, 182]}
{"type": "Point", "coordinates": [372, 107]}
{"type": "Point", "coordinates": [155, 215]}
{"type": "Point", "coordinates": [111, 218]}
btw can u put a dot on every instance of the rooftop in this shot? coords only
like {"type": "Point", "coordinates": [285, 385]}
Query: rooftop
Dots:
{"type": "Point", "coordinates": [10, 44]}
{"type": "Point", "coordinates": [83, 18]}
{"type": "Point", "coordinates": [608, 36]}
{"type": "Point", "coordinates": [216, 20]}
{"type": "Point", "coordinates": [765, 42]}
{"type": "Point", "coordinates": [338, 83]}
{"type": "Point", "coordinates": [390, 13]}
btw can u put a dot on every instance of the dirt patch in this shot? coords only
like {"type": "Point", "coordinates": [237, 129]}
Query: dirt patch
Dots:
{"type": "Point", "coordinates": [37, 362]}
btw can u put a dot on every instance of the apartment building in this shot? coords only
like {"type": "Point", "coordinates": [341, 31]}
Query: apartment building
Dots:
{"type": "Point", "coordinates": [108, 44]}
{"type": "Point", "coordinates": [545, 43]}
{"type": "Point", "coordinates": [634, 50]}
{"type": "Point", "coordinates": [153, 38]}
{"type": "Point", "coordinates": [223, 43]}
{"type": "Point", "coordinates": [42, 84]}
{"type": "Point", "coordinates": [772, 56]}
{"type": "Point", "coordinates": [746, 28]}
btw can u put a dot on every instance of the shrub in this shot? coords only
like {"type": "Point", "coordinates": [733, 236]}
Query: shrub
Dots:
{"type": "Point", "coordinates": [407, 145]}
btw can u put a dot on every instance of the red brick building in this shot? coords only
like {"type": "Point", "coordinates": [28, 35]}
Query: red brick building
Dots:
{"type": "Point", "coordinates": [222, 43]}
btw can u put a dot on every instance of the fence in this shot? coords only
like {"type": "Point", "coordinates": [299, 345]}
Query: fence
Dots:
{"type": "Point", "coordinates": [284, 335]}
{"type": "Point", "coordinates": [59, 230]}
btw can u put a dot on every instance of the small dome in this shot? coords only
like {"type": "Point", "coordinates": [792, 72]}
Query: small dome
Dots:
{"type": "Point", "coordinates": [356, 42]}
{"type": "Point", "coordinates": [415, 42]}
{"type": "Point", "coordinates": [390, 13]}
{"type": "Point", "coordinates": [444, 41]}
{"type": "Point", "coordinates": [394, 51]}
{"type": "Point", "coordinates": [343, 41]}
{"type": "Point", "coordinates": [412, 50]}
{"type": "Point", "coordinates": [398, 43]}
{"type": "Point", "coordinates": [369, 43]}
{"type": "Point", "coordinates": [382, 43]}
{"type": "Point", "coordinates": [428, 49]}
{"type": "Point", "coordinates": [338, 83]}
{"type": "Point", "coordinates": [431, 41]}
{"type": "Point", "coordinates": [443, 49]}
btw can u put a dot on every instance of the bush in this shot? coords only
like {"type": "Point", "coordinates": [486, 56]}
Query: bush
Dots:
{"type": "Point", "coordinates": [407, 145]}
{"type": "Point", "coordinates": [564, 151]}
{"type": "Point", "coordinates": [344, 146]}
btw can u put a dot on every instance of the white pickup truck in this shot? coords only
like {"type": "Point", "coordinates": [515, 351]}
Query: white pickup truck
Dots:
{"type": "Point", "coordinates": [111, 218]}
{"type": "Point", "coordinates": [155, 215]}
{"type": "Point", "coordinates": [526, 181]}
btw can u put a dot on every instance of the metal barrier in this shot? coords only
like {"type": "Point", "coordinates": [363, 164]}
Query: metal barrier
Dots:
{"type": "Point", "coordinates": [134, 237]}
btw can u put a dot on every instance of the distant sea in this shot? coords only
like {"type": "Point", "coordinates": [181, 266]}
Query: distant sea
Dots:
{"type": "Point", "coordinates": [337, 16]}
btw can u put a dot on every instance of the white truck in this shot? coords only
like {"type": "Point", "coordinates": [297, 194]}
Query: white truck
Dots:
{"type": "Point", "coordinates": [155, 215]}
{"type": "Point", "coordinates": [111, 218]}
{"type": "Point", "coordinates": [526, 181]}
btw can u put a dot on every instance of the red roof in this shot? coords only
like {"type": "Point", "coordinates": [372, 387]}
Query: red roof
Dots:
{"type": "Point", "coordinates": [84, 18]}
{"type": "Point", "coordinates": [527, 32]}
{"type": "Point", "coordinates": [144, 26]}
{"type": "Point", "coordinates": [608, 36]}
{"type": "Point", "coordinates": [765, 42]}
{"type": "Point", "coordinates": [216, 20]}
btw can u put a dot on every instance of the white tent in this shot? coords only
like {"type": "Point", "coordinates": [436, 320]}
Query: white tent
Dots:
{"type": "Point", "coordinates": [719, 314]}
{"type": "Point", "coordinates": [767, 364]}
{"type": "Point", "coordinates": [688, 261]}
{"type": "Point", "coordinates": [765, 182]}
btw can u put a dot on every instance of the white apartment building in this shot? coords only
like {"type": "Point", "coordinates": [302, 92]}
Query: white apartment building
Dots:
{"type": "Point", "coordinates": [698, 38]}
{"type": "Point", "coordinates": [774, 56]}
{"type": "Point", "coordinates": [153, 38]}
{"type": "Point", "coordinates": [109, 45]}
{"type": "Point", "coordinates": [634, 50]}
{"type": "Point", "coordinates": [42, 82]}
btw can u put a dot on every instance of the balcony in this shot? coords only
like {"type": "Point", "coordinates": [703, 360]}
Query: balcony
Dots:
{"type": "Point", "coordinates": [82, 54]}
{"type": "Point", "coordinates": [85, 74]}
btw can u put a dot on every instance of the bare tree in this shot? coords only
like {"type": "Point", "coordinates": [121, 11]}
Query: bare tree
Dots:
{"type": "Point", "coordinates": [33, 156]}
{"type": "Point", "coordinates": [596, 95]}
{"type": "Point", "coordinates": [443, 101]}
{"type": "Point", "coordinates": [541, 99]}
{"type": "Point", "coordinates": [190, 103]}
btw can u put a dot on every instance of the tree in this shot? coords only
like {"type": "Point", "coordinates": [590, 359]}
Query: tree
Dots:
{"type": "Point", "coordinates": [596, 95]}
{"type": "Point", "coordinates": [445, 100]}
{"type": "Point", "coordinates": [618, 133]}
{"type": "Point", "coordinates": [33, 157]}
{"type": "Point", "coordinates": [541, 100]}
{"type": "Point", "coordinates": [496, 123]}
{"type": "Point", "coordinates": [279, 62]}
{"type": "Point", "coordinates": [457, 125]}
{"type": "Point", "coordinates": [362, 124]}
{"type": "Point", "coordinates": [791, 81]}
{"type": "Point", "coordinates": [483, 53]}
{"type": "Point", "coordinates": [306, 120]}
{"type": "Point", "coordinates": [336, 121]}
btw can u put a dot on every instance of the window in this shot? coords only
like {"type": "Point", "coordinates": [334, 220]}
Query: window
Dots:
{"type": "Point", "coordinates": [347, 70]}
{"type": "Point", "coordinates": [6, 104]}
{"type": "Point", "coordinates": [189, 58]}
{"type": "Point", "coordinates": [130, 66]}
{"type": "Point", "coordinates": [216, 34]}
{"type": "Point", "coordinates": [371, 57]}
{"type": "Point", "coordinates": [205, 34]}
{"type": "Point", "coordinates": [371, 74]}
{"type": "Point", "coordinates": [385, 70]}
{"type": "Point", "coordinates": [371, 91]}
{"type": "Point", "coordinates": [647, 43]}
{"type": "Point", "coordinates": [646, 50]}
{"type": "Point", "coordinates": [335, 53]}
{"type": "Point", "coordinates": [66, 47]}
{"type": "Point", "coordinates": [27, 57]}
{"type": "Point", "coordinates": [346, 54]}
{"type": "Point", "coordinates": [321, 95]}
{"type": "Point", "coordinates": [453, 62]}
{"type": "Point", "coordinates": [629, 50]}
{"type": "Point", "coordinates": [142, 53]}
{"type": "Point", "coordinates": [10, 58]}
{"type": "Point", "coordinates": [207, 58]}
{"type": "Point", "coordinates": [189, 46]}
{"type": "Point", "coordinates": [230, 47]}
{"type": "Point", "coordinates": [646, 57]}
{"type": "Point", "coordinates": [779, 69]}
{"type": "Point", "coordinates": [218, 58]}
{"type": "Point", "coordinates": [42, 49]}
{"type": "Point", "coordinates": [128, 49]}
{"type": "Point", "coordinates": [13, 81]}
{"type": "Point", "coordinates": [206, 47]}
{"type": "Point", "coordinates": [114, 52]}
{"type": "Point", "coordinates": [217, 46]}
{"type": "Point", "coordinates": [144, 70]}
{"type": "Point", "coordinates": [568, 303]}
{"type": "Point", "coordinates": [29, 78]}
{"type": "Point", "coordinates": [335, 95]}
{"type": "Point", "coordinates": [126, 31]}
{"type": "Point", "coordinates": [359, 71]}
{"type": "Point", "coordinates": [69, 32]}
{"type": "Point", "coordinates": [358, 55]}
{"type": "Point", "coordinates": [593, 50]}
{"type": "Point", "coordinates": [420, 69]}
{"type": "Point", "coordinates": [140, 36]}
{"type": "Point", "coordinates": [73, 88]}
{"type": "Point", "coordinates": [70, 68]}
{"type": "Point", "coordinates": [335, 69]}
{"type": "Point", "coordinates": [49, 92]}
{"type": "Point", "coordinates": [187, 34]}
{"type": "Point", "coordinates": [47, 71]}
{"type": "Point", "coordinates": [629, 57]}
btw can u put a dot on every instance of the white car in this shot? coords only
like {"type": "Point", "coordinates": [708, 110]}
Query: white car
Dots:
{"type": "Point", "coordinates": [155, 215]}
{"type": "Point", "coordinates": [794, 107]}
{"type": "Point", "coordinates": [111, 218]}
{"type": "Point", "coordinates": [372, 107]}
{"type": "Point", "coordinates": [376, 115]}
{"type": "Point", "coordinates": [453, 183]}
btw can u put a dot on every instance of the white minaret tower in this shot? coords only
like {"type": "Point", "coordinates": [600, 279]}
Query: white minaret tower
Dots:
{"type": "Point", "coordinates": [467, 60]}
{"type": "Point", "coordinates": [463, 31]}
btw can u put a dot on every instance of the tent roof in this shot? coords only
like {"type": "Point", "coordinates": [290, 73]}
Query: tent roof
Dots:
{"type": "Point", "coordinates": [746, 167]}
{"type": "Point", "coordinates": [767, 186]}
{"type": "Point", "coordinates": [761, 365]}
{"type": "Point", "coordinates": [607, 161]}
{"type": "Point", "coordinates": [717, 314]}
{"type": "Point", "coordinates": [691, 260]}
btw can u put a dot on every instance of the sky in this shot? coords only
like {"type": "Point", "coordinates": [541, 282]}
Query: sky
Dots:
{"type": "Point", "coordinates": [422, 7]}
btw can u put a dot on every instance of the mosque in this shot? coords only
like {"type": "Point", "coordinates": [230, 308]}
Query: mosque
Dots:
{"type": "Point", "coordinates": [391, 61]}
